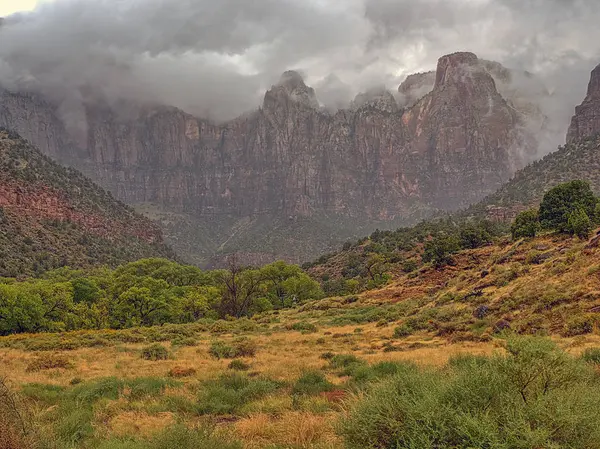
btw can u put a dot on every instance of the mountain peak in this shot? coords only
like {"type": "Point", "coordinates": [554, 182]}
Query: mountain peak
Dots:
{"type": "Point", "coordinates": [454, 64]}
{"type": "Point", "coordinates": [291, 86]}
{"type": "Point", "coordinates": [586, 121]}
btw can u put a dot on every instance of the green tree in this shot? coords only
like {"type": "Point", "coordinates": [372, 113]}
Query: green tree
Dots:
{"type": "Point", "coordinates": [474, 236]}
{"type": "Point", "coordinates": [579, 224]}
{"type": "Point", "coordinates": [561, 201]}
{"type": "Point", "coordinates": [439, 250]}
{"type": "Point", "coordinates": [526, 224]}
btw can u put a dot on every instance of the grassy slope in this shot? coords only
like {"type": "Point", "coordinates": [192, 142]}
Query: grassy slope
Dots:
{"type": "Point", "coordinates": [549, 285]}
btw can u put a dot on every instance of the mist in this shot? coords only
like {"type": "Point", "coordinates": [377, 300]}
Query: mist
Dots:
{"type": "Point", "coordinates": [215, 59]}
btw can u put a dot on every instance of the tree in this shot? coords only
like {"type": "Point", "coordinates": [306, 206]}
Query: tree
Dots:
{"type": "Point", "coordinates": [579, 224]}
{"type": "Point", "coordinates": [239, 288]}
{"type": "Point", "coordinates": [474, 236]}
{"type": "Point", "coordinates": [561, 201]}
{"type": "Point", "coordinates": [526, 224]}
{"type": "Point", "coordinates": [439, 250]}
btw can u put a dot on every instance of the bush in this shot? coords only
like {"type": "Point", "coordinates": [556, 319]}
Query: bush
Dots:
{"type": "Point", "coordinates": [48, 361]}
{"type": "Point", "coordinates": [242, 347]}
{"type": "Point", "coordinates": [184, 341]}
{"type": "Point", "coordinates": [527, 224]}
{"type": "Point", "coordinates": [579, 224]}
{"type": "Point", "coordinates": [535, 396]}
{"type": "Point", "coordinates": [304, 327]}
{"type": "Point", "coordinates": [312, 383]}
{"type": "Point", "coordinates": [439, 250]}
{"type": "Point", "coordinates": [591, 355]}
{"type": "Point", "coordinates": [15, 432]}
{"type": "Point", "coordinates": [238, 365]}
{"type": "Point", "coordinates": [403, 331]}
{"type": "Point", "coordinates": [230, 392]}
{"type": "Point", "coordinates": [155, 352]}
{"type": "Point", "coordinates": [347, 363]}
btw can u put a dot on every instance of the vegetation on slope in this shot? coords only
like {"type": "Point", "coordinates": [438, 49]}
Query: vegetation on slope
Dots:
{"type": "Point", "coordinates": [51, 216]}
{"type": "Point", "coordinates": [578, 160]}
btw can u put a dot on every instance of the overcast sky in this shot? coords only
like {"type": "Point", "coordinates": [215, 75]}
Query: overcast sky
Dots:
{"type": "Point", "coordinates": [216, 57]}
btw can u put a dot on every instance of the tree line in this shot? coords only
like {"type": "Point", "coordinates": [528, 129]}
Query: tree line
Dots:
{"type": "Point", "coordinates": [146, 293]}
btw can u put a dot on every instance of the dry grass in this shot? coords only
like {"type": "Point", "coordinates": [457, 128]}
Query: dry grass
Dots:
{"type": "Point", "coordinates": [300, 430]}
{"type": "Point", "coordinates": [139, 424]}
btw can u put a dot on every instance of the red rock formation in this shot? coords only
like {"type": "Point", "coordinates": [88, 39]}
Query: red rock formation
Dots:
{"type": "Point", "coordinates": [586, 121]}
{"type": "Point", "coordinates": [374, 161]}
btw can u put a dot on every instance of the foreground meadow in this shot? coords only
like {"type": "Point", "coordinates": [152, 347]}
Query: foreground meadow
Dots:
{"type": "Point", "coordinates": [279, 383]}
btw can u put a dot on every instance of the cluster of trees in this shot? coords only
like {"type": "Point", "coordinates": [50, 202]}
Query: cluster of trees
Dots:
{"type": "Point", "coordinates": [467, 234]}
{"type": "Point", "coordinates": [569, 208]}
{"type": "Point", "coordinates": [148, 292]}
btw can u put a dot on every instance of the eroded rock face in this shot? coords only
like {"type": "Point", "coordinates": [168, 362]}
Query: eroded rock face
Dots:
{"type": "Point", "coordinates": [586, 121]}
{"type": "Point", "coordinates": [376, 161]}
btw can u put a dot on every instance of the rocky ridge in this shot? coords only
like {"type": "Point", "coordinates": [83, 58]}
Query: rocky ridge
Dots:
{"type": "Point", "coordinates": [291, 165]}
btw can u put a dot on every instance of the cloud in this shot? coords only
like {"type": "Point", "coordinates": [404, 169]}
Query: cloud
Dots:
{"type": "Point", "coordinates": [216, 58]}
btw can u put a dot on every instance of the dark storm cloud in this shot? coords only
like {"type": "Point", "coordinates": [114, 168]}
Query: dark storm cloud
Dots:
{"type": "Point", "coordinates": [216, 58]}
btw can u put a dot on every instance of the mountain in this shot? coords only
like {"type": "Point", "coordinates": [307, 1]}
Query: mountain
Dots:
{"type": "Point", "coordinates": [578, 159]}
{"type": "Point", "coordinates": [290, 180]}
{"type": "Point", "coordinates": [51, 216]}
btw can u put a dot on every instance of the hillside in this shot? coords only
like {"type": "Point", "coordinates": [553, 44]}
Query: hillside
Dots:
{"type": "Point", "coordinates": [52, 216]}
{"type": "Point", "coordinates": [576, 160]}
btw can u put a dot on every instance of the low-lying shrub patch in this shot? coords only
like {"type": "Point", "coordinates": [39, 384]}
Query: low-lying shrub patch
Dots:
{"type": "Point", "coordinates": [241, 347]}
{"type": "Point", "coordinates": [48, 361]}
{"type": "Point", "coordinates": [312, 383]}
{"type": "Point", "coordinates": [155, 352]}
{"type": "Point", "coordinates": [535, 396]}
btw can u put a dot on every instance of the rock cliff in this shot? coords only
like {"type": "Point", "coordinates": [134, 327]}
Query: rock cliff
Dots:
{"type": "Point", "coordinates": [586, 121]}
{"type": "Point", "coordinates": [290, 179]}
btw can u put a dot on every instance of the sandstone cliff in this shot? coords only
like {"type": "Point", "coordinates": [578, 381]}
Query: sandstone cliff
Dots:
{"type": "Point", "coordinates": [290, 179]}
{"type": "Point", "coordinates": [586, 121]}
{"type": "Point", "coordinates": [51, 217]}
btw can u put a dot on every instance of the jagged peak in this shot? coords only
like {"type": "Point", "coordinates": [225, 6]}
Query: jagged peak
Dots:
{"type": "Point", "coordinates": [377, 97]}
{"type": "Point", "coordinates": [291, 84]}
{"type": "Point", "coordinates": [415, 87]}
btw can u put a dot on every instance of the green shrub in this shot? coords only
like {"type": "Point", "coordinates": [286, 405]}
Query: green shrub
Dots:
{"type": "Point", "coordinates": [312, 383]}
{"type": "Point", "coordinates": [241, 347]}
{"type": "Point", "coordinates": [534, 396]}
{"type": "Point", "coordinates": [527, 224]}
{"type": "Point", "coordinates": [238, 365]}
{"type": "Point", "coordinates": [440, 249]}
{"type": "Point", "coordinates": [184, 341]}
{"type": "Point", "coordinates": [227, 394]}
{"type": "Point", "coordinates": [304, 327]}
{"type": "Point", "coordinates": [579, 224]}
{"type": "Point", "coordinates": [591, 355]}
{"type": "Point", "coordinates": [155, 352]}
{"type": "Point", "coordinates": [346, 363]}
{"type": "Point", "coordinates": [403, 331]}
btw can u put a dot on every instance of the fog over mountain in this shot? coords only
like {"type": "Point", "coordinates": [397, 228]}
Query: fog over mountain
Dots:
{"type": "Point", "coordinates": [215, 59]}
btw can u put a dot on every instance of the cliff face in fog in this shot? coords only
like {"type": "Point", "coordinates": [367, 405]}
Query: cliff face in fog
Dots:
{"type": "Point", "coordinates": [449, 146]}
